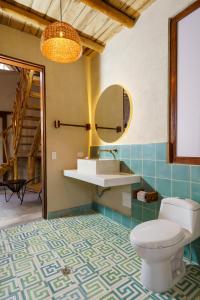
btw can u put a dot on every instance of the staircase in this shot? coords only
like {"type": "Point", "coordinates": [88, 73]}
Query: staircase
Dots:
{"type": "Point", "coordinates": [25, 131]}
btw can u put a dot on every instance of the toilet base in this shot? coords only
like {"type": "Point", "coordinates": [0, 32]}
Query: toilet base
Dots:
{"type": "Point", "coordinates": [159, 277]}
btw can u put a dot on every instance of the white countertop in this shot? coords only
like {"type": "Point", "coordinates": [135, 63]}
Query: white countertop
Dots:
{"type": "Point", "coordinates": [104, 180]}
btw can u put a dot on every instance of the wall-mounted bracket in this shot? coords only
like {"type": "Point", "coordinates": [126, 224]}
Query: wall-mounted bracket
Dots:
{"type": "Point", "coordinates": [117, 128]}
{"type": "Point", "coordinates": [57, 124]}
{"type": "Point", "coordinates": [100, 191]}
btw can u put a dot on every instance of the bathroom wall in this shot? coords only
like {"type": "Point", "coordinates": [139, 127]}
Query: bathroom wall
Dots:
{"type": "Point", "coordinates": [8, 84]}
{"type": "Point", "coordinates": [66, 96]}
{"type": "Point", "coordinates": [138, 60]}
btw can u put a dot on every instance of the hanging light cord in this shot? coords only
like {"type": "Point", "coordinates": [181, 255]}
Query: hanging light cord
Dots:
{"type": "Point", "coordinates": [61, 11]}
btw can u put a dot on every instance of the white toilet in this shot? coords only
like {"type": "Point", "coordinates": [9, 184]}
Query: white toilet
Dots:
{"type": "Point", "coordinates": [160, 242]}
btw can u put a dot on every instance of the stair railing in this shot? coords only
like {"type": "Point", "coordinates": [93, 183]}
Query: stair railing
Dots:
{"type": "Point", "coordinates": [20, 104]}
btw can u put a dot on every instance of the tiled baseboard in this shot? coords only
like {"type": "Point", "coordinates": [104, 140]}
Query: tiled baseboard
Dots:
{"type": "Point", "coordinates": [70, 211]}
{"type": "Point", "coordinates": [191, 251]}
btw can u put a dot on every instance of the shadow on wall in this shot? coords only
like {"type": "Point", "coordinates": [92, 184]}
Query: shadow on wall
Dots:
{"type": "Point", "coordinates": [95, 83]}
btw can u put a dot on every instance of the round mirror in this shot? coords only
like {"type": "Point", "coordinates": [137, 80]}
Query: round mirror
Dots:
{"type": "Point", "coordinates": [112, 113]}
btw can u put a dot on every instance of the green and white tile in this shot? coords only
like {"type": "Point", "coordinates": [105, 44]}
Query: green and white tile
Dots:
{"type": "Point", "coordinates": [104, 266]}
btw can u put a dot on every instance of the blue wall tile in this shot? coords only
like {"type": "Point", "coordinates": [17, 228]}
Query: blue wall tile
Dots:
{"type": "Point", "coordinates": [70, 211]}
{"type": "Point", "coordinates": [161, 151]}
{"type": "Point", "coordinates": [117, 217]}
{"type": "Point", "coordinates": [181, 189]}
{"type": "Point", "coordinates": [136, 151]}
{"type": "Point", "coordinates": [187, 252]}
{"type": "Point", "coordinates": [196, 255]}
{"type": "Point", "coordinates": [148, 214]}
{"type": "Point", "coordinates": [180, 172]}
{"type": "Point", "coordinates": [195, 173]}
{"type": "Point", "coordinates": [163, 187]}
{"type": "Point", "coordinates": [101, 208]}
{"type": "Point", "coordinates": [149, 151]}
{"type": "Point", "coordinates": [126, 221]}
{"type": "Point", "coordinates": [149, 183]}
{"type": "Point", "coordinates": [195, 187]}
{"type": "Point", "coordinates": [125, 151]}
{"type": "Point", "coordinates": [136, 166]}
{"type": "Point", "coordinates": [163, 170]}
{"type": "Point", "coordinates": [137, 211]}
{"type": "Point", "coordinates": [108, 212]}
{"type": "Point", "coordinates": [149, 168]}
{"type": "Point", "coordinates": [134, 222]}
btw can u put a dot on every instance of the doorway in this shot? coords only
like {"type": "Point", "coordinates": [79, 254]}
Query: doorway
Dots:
{"type": "Point", "coordinates": [23, 139]}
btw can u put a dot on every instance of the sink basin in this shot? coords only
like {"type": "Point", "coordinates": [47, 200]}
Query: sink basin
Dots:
{"type": "Point", "coordinates": [98, 166]}
{"type": "Point", "coordinates": [104, 180]}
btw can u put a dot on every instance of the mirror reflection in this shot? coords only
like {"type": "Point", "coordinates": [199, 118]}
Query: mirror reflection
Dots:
{"type": "Point", "coordinates": [112, 113]}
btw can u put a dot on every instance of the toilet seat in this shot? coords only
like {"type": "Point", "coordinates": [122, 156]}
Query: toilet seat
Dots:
{"type": "Point", "coordinates": [156, 234]}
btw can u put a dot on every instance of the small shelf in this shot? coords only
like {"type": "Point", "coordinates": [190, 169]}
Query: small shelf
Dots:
{"type": "Point", "coordinates": [104, 180]}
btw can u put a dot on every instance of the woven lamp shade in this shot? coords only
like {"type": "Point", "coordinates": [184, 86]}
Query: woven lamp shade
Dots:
{"type": "Point", "coordinates": [61, 43]}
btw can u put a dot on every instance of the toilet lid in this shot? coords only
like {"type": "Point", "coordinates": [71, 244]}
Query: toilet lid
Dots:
{"type": "Point", "coordinates": [156, 234]}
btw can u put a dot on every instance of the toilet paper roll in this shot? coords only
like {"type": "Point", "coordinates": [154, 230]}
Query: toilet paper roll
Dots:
{"type": "Point", "coordinates": [141, 196]}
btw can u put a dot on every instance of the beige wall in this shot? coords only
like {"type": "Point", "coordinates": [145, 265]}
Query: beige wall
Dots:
{"type": "Point", "coordinates": [113, 198]}
{"type": "Point", "coordinates": [8, 85]}
{"type": "Point", "coordinates": [66, 100]}
{"type": "Point", "coordinates": [137, 59]}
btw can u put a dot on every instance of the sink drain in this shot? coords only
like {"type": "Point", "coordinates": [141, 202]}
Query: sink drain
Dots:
{"type": "Point", "coordinates": [66, 271]}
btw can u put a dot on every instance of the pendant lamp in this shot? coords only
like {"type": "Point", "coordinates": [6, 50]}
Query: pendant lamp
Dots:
{"type": "Point", "coordinates": [60, 42]}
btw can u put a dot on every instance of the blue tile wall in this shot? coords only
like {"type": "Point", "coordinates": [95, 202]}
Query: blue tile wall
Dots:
{"type": "Point", "coordinates": [149, 161]}
{"type": "Point", "coordinates": [70, 211]}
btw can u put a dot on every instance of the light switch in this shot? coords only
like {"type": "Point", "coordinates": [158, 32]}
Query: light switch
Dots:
{"type": "Point", "coordinates": [80, 155]}
{"type": "Point", "coordinates": [54, 155]}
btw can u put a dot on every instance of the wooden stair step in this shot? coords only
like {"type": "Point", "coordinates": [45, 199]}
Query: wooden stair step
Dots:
{"type": "Point", "coordinates": [22, 155]}
{"type": "Point", "coordinates": [26, 155]}
{"type": "Point", "coordinates": [35, 95]}
{"type": "Point", "coordinates": [29, 127]}
{"type": "Point", "coordinates": [33, 108]}
{"type": "Point", "coordinates": [25, 144]}
{"type": "Point", "coordinates": [32, 118]}
{"type": "Point", "coordinates": [27, 136]}
{"type": "Point", "coordinates": [36, 80]}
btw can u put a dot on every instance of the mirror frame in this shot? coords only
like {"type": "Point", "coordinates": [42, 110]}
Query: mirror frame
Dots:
{"type": "Point", "coordinates": [130, 113]}
{"type": "Point", "coordinates": [173, 71]}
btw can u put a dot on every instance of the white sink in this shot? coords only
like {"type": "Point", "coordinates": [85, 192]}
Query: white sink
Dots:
{"type": "Point", "coordinates": [102, 172]}
{"type": "Point", "coordinates": [98, 166]}
{"type": "Point", "coordinates": [104, 180]}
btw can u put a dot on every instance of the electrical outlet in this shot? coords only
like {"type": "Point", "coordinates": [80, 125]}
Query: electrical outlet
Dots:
{"type": "Point", "coordinates": [126, 199]}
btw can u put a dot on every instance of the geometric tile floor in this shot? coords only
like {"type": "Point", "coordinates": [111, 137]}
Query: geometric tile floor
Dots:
{"type": "Point", "coordinates": [104, 265]}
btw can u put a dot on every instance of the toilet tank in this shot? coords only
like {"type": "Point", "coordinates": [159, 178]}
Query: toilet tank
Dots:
{"type": "Point", "coordinates": [184, 212]}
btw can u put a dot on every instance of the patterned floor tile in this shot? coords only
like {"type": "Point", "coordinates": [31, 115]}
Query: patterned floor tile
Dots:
{"type": "Point", "coordinates": [38, 291]}
{"type": "Point", "coordinates": [8, 287]}
{"type": "Point", "coordinates": [103, 264]}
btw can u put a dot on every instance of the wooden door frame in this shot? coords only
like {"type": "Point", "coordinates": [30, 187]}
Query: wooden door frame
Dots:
{"type": "Point", "coordinates": [3, 116]}
{"type": "Point", "coordinates": [39, 68]}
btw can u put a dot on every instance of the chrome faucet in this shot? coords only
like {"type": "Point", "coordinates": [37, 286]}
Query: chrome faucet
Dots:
{"type": "Point", "coordinates": [113, 151]}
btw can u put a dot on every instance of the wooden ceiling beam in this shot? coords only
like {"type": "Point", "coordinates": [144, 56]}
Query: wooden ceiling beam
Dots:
{"type": "Point", "coordinates": [28, 16]}
{"type": "Point", "coordinates": [112, 12]}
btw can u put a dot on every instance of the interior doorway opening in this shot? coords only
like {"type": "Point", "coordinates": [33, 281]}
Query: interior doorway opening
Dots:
{"type": "Point", "coordinates": [22, 142]}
